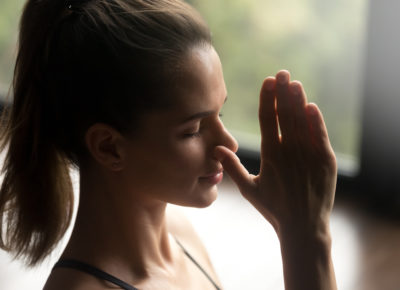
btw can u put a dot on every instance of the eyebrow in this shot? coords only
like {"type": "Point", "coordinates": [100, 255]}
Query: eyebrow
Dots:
{"type": "Point", "coordinates": [201, 115]}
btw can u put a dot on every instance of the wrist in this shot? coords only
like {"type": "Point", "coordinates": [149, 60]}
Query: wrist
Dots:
{"type": "Point", "coordinates": [309, 241]}
{"type": "Point", "coordinates": [306, 232]}
{"type": "Point", "coordinates": [316, 244]}
{"type": "Point", "coordinates": [307, 261]}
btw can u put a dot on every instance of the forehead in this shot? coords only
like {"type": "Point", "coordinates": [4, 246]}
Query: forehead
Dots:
{"type": "Point", "coordinates": [200, 85]}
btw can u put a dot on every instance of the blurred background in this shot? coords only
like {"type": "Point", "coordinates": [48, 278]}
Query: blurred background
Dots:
{"type": "Point", "coordinates": [346, 54]}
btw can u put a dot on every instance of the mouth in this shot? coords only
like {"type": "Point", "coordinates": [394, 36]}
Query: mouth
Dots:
{"type": "Point", "coordinates": [213, 178]}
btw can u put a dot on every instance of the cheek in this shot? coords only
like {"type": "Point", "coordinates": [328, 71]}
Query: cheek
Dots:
{"type": "Point", "coordinates": [187, 157]}
{"type": "Point", "coordinates": [171, 171]}
{"type": "Point", "coordinates": [169, 160]}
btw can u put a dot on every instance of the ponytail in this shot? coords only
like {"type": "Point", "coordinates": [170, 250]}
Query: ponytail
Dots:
{"type": "Point", "coordinates": [107, 61]}
{"type": "Point", "coordinates": [36, 199]}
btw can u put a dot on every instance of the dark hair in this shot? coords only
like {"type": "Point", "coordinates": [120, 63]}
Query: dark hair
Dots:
{"type": "Point", "coordinates": [78, 64]}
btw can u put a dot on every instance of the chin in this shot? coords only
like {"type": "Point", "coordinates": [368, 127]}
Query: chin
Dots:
{"type": "Point", "coordinates": [206, 198]}
{"type": "Point", "coordinates": [200, 198]}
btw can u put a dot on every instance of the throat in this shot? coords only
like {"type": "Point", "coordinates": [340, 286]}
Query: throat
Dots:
{"type": "Point", "coordinates": [137, 242]}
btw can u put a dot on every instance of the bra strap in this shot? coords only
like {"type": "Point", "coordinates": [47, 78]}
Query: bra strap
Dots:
{"type": "Point", "coordinates": [197, 264]}
{"type": "Point", "coordinates": [73, 264]}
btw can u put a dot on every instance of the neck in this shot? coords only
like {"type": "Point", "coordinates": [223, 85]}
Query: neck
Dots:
{"type": "Point", "coordinates": [115, 229]}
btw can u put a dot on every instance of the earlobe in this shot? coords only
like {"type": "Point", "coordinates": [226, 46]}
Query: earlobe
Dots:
{"type": "Point", "coordinates": [105, 145]}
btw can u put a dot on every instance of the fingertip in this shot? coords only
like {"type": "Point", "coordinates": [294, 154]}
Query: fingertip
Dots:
{"type": "Point", "coordinates": [219, 153]}
{"type": "Point", "coordinates": [269, 84]}
{"type": "Point", "coordinates": [283, 77]}
{"type": "Point", "coordinates": [296, 87]}
{"type": "Point", "coordinates": [227, 157]}
{"type": "Point", "coordinates": [283, 71]}
{"type": "Point", "coordinates": [222, 153]}
{"type": "Point", "coordinates": [312, 109]}
{"type": "Point", "coordinates": [232, 165]}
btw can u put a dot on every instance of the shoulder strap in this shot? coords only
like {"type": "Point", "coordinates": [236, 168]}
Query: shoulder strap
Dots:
{"type": "Point", "coordinates": [77, 265]}
{"type": "Point", "coordinates": [80, 266]}
{"type": "Point", "coordinates": [197, 264]}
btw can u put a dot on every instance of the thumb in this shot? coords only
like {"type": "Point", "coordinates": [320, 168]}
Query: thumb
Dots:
{"type": "Point", "coordinates": [235, 169]}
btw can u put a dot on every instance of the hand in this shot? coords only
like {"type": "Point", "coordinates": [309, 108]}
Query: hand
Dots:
{"type": "Point", "coordinates": [295, 188]}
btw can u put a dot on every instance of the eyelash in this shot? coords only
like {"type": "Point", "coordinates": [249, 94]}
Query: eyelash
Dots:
{"type": "Point", "coordinates": [197, 134]}
{"type": "Point", "coordinates": [193, 135]}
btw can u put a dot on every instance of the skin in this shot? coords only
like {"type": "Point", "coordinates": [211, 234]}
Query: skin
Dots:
{"type": "Point", "coordinates": [126, 188]}
{"type": "Point", "coordinates": [295, 188]}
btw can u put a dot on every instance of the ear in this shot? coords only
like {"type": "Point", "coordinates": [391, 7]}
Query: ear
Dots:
{"type": "Point", "coordinates": [106, 146]}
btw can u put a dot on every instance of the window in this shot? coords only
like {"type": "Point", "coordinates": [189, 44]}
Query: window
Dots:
{"type": "Point", "coordinates": [344, 52]}
{"type": "Point", "coordinates": [321, 42]}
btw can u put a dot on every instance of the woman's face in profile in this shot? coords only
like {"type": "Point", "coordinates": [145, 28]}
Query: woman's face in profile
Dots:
{"type": "Point", "coordinates": [172, 157]}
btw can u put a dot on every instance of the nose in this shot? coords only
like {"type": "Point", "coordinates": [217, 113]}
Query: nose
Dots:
{"type": "Point", "coordinates": [227, 140]}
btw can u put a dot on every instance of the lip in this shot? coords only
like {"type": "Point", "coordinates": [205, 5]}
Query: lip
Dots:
{"type": "Point", "coordinates": [213, 178]}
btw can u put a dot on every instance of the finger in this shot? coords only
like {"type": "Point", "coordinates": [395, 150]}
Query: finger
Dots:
{"type": "Point", "coordinates": [284, 106]}
{"type": "Point", "coordinates": [267, 116]}
{"type": "Point", "coordinates": [319, 132]}
{"type": "Point", "coordinates": [235, 169]}
{"type": "Point", "coordinates": [300, 117]}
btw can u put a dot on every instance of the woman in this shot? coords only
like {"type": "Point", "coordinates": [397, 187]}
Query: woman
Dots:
{"type": "Point", "coordinates": [129, 92]}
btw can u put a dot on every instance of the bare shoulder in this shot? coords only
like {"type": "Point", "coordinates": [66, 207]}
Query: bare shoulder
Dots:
{"type": "Point", "coordinates": [181, 228]}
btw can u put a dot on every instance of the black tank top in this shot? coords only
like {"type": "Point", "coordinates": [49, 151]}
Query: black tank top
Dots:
{"type": "Point", "coordinates": [80, 266]}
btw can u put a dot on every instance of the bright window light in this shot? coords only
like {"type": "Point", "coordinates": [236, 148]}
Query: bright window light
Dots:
{"type": "Point", "coordinates": [322, 44]}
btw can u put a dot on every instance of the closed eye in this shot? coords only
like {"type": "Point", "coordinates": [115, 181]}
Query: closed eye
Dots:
{"type": "Point", "coordinates": [192, 135]}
